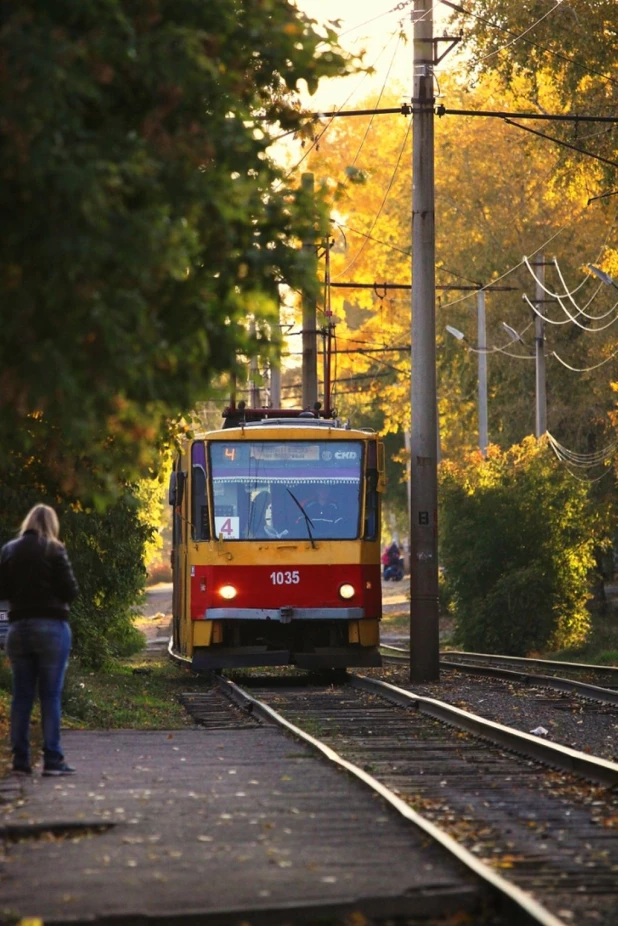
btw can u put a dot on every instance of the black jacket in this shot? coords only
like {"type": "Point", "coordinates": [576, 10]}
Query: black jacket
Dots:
{"type": "Point", "coordinates": [36, 578]}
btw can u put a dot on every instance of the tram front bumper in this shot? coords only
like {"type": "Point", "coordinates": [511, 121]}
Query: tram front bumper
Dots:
{"type": "Point", "coordinates": [285, 614]}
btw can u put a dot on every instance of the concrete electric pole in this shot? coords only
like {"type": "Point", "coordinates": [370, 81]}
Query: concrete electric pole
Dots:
{"type": "Point", "coordinates": [540, 298]}
{"type": "Point", "coordinates": [482, 371]}
{"type": "Point", "coordinates": [310, 357]}
{"type": "Point", "coordinates": [424, 611]}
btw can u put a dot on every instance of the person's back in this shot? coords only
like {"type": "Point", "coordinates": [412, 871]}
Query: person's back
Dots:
{"type": "Point", "coordinates": [38, 580]}
{"type": "Point", "coordinates": [393, 554]}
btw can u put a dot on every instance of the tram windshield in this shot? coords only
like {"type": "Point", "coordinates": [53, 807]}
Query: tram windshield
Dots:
{"type": "Point", "coordinates": [286, 490]}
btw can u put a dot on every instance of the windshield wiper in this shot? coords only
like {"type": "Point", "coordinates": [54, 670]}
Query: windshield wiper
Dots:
{"type": "Point", "coordinates": [308, 520]}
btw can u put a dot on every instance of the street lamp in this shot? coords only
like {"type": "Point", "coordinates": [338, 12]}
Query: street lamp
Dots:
{"type": "Point", "coordinates": [604, 277]}
{"type": "Point", "coordinates": [514, 334]}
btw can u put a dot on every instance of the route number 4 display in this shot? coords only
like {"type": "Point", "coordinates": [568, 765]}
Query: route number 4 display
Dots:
{"type": "Point", "coordinates": [228, 526]}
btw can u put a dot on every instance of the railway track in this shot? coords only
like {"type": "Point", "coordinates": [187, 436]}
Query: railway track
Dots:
{"type": "Point", "coordinates": [606, 676]}
{"type": "Point", "coordinates": [548, 834]}
{"type": "Point", "coordinates": [529, 672]}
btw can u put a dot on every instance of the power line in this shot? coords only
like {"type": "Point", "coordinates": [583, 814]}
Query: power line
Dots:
{"type": "Point", "coordinates": [367, 130]}
{"type": "Point", "coordinates": [383, 203]}
{"type": "Point", "coordinates": [336, 113]}
{"type": "Point", "coordinates": [406, 110]}
{"type": "Point", "coordinates": [583, 369]}
{"type": "Point", "coordinates": [570, 294]}
{"type": "Point", "coordinates": [395, 9]}
{"type": "Point", "coordinates": [585, 459]}
{"type": "Point", "coordinates": [385, 244]}
{"type": "Point", "coordinates": [548, 51]}
{"type": "Point", "coordinates": [572, 318]}
{"type": "Point", "coordinates": [564, 144]}
{"type": "Point", "coordinates": [520, 36]}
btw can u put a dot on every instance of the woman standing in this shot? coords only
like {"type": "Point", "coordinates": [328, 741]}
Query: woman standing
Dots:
{"type": "Point", "coordinates": [37, 579]}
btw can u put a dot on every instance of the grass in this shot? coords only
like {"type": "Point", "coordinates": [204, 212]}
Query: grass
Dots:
{"type": "Point", "coordinates": [140, 693]}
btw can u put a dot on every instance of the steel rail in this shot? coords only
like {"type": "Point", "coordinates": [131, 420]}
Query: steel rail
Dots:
{"type": "Point", "coordinates": [516, 660]}
{"type": "Point", "coordinates": [523, 660]}
{"type": "Point", "coordinates": [591, 768]}
{"type": "Point", "coordinates": [594, 692]}
{"type": "Point", "coordinates": [557, 683]}
{"type": "Point", "coordinates": [517, 902]}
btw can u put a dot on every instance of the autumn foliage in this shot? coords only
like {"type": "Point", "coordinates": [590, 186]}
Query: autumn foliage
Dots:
{"type": "Point", "coordinates": [518, 541]}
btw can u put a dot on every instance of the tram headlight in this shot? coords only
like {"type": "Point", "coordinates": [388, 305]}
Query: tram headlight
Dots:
{"type": "Point", "coordinates": [347, 591]}
{"type": "Point", "coordinates": [228, 592]}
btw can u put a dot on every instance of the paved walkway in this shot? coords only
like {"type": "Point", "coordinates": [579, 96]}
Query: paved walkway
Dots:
{"type": "Point", "coordinates": [195, 825]}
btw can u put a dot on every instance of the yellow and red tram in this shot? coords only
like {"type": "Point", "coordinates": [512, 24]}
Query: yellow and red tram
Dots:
{"type": "Point", "coordinates": [276, 545]}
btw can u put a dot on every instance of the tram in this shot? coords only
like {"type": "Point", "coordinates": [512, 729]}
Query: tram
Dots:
{"type": "Point", "coordinates": [276, 543]}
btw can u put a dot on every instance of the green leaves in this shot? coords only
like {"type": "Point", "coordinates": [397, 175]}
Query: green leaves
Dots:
{"type": "Point", "coordinates": [141, 221]}
{"type": "Point", "coordinates": [518, 540]}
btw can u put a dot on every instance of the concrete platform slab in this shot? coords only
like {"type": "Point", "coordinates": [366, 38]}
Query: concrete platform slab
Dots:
{"type": "Point", "coordinates": [203, 823]}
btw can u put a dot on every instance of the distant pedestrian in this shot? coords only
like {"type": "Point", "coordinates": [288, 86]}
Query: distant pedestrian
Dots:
{"type": "Point", "coordinates": [392, 563]}
{"type": "Point", "coordinates": [37, 579]}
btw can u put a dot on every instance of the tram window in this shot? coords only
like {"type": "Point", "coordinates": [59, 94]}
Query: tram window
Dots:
{"type": "Point", "coordinates": [200, 528]}
{"type": "Point", "coordinates": [260, 489]}
{"type": "Point", "coordinates": [370, 531]}
{"type": "Point", "coordinates": [259, 506]}
{"type": "Point", "coordinates": [371, 505]}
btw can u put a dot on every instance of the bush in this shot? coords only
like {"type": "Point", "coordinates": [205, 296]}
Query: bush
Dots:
{"type": "Point", "coordinates": [106, 550]}
{"type": "Point", "coordinates": [518, 541]}
{"type": "Point", "coordinates": [107, 555]}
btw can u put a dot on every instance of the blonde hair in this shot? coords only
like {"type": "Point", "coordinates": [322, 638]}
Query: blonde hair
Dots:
{"type": "Point", "coordinates": [43, 520]}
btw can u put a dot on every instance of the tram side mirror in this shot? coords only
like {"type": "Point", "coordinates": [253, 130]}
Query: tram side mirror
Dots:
{"type": "Point", "coordinates": [176, 487]}
{"type": "Point", "coordinates": [171, 492]}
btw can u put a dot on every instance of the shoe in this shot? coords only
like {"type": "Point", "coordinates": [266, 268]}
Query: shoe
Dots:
{"type": "Point", "coordinates": [20, 768]}
{"type": "Point", "coordinates": [60, 768]}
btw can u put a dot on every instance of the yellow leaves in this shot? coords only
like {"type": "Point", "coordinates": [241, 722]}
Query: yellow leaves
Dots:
{"type": "Point", "coordinates": [507, 861]}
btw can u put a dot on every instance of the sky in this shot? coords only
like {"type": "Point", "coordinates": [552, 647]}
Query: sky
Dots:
{"type": "Point", "coordinates": [369, 25]}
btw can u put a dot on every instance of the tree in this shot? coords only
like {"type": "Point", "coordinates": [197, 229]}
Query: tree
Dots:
{"type": "Point", "coordinates": [142, 218]}
{"type": "Point", "coordinates": [517, 544]}
{"type": "Point", "coordinates": [566, 47]}
{"type": "Point", "coordinates": [486, 221]}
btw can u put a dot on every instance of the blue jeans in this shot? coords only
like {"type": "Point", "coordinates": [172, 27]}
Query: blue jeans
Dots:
{"type": "Point", "coordinates": [38, 650]}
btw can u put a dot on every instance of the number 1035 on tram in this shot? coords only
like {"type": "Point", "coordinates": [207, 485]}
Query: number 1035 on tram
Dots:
{"type": "Point", "coordinates": [276, 546]}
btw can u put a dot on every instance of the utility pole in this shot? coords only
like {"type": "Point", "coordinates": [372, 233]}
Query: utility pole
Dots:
{"type": "Point", "coordinates": [424, 606]}
{"type": "Point", "coordinates": [310, 356]}
{"type": "Point", "coordinates": [539, 337]}
{"type": "Point", "coordinates": [253, 375]}
{"type": "Point", "coordinates": [482, 370]}
{"type": "Point", "coordinates": [275, 384]}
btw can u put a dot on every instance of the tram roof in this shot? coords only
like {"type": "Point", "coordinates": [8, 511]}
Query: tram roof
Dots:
{"type": "Point", "coordinates": [279, 425]}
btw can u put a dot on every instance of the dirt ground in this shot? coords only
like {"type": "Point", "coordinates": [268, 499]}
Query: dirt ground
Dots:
{"type": "Point", "coordinates": [156, 612]}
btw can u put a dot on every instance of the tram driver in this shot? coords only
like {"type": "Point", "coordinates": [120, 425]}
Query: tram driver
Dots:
{"type": "Point", "coordinates": [322, 508]}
